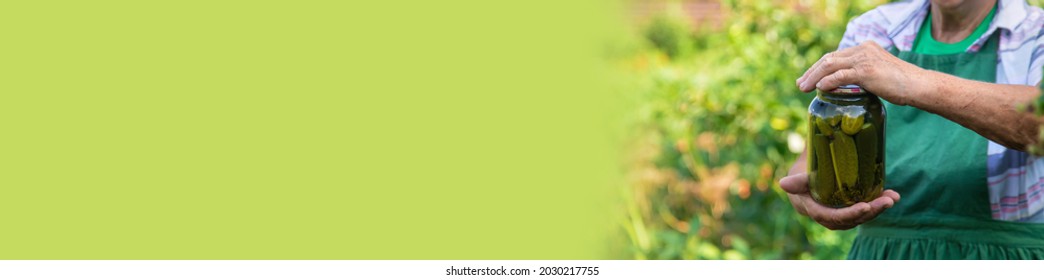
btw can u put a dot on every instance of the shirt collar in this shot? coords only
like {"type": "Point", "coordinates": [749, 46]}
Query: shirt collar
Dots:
{"type": "Point", "coordinates": [1010, 13]}
{"type": "Point", "coordinates": [903, 18]}
{"type": "Point", "coordinates": [905, 24]}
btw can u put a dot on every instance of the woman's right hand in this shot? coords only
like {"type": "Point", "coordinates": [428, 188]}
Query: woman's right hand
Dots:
{"type": "Point", "coordinates": [796, 186]}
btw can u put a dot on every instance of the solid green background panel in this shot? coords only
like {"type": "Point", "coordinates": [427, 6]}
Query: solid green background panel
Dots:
{"type": "Point", "coordinates": [304, 130]}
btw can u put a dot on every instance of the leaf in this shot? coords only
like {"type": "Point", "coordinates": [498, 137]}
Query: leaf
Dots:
{"type": "Point", "coordinates": [741, 245]}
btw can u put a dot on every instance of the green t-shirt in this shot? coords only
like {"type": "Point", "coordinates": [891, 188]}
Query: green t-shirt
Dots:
{"type": "Point", "coordinates": [925, 44]}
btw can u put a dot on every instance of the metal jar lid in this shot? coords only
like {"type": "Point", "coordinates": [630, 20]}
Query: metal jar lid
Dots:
{"type": "Point", "coordinates": [848, 89]}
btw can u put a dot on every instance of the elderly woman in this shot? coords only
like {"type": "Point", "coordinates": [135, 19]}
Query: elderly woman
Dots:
{"type": "Point", "coordinates": [951, 73]}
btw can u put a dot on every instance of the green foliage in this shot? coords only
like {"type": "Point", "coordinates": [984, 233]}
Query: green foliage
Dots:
{"type": "Point", "coordinates": [1037, 107]}
{"type": "Point", "coordinates": [717, 125]}
{"type": "Point", "coordinates": [670, 35]}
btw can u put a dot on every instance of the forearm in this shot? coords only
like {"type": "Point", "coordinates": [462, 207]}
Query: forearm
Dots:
{"type": "Point", "coordinates": [991, 110]}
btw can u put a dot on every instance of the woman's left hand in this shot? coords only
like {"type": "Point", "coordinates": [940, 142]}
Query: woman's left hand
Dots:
{"type": "Point", "coordinates": [871, 67]}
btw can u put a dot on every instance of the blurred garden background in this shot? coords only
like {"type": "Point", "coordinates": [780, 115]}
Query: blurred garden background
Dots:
{"type": "Point", "coordinates": [716, 121]}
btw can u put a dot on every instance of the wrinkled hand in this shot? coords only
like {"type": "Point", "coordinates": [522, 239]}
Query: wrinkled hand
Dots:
{"type": "Point", "coordinates": [869, 66]}
{"type": "Point", "coordinates": [796, 187]}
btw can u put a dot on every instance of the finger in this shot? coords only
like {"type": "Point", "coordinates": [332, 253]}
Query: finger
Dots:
{"type": "Point", "coordinates": [839, 78]}
{"type": "Point", "coordinates": [795, 184]}
{"type": "Point", "coordinates": [892, 194]}
{"type": "Point", "coordinates": [877, 206]}
{"type": "Point", "coordinates": [838, 218]}
{"type": "Point", "coordinates": [798, 204]}
{"type": "Point", "coordinates": [826, 66]}
{"type": "Point", "coordinates": [804, 76]}
{"type": "Point", "coordinates": [869, 44]}
{"type": "Point", "coordinates": [827, 57]}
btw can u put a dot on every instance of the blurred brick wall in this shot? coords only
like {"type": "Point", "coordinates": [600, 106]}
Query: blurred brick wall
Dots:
{"type": "Point", "coordinates": [699, 13]}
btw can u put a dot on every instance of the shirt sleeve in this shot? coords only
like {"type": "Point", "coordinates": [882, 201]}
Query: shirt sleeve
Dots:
{"type": "Point", "coordinates": [1031, 35]}
{"type": "Point", "coordinates": [870, 26]}
{"type": "Point", "coordinates": [1036, 69]}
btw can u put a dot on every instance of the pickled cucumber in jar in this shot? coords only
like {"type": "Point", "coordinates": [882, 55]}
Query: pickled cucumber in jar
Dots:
{"type": "Point", "coordinates": [845, 147]}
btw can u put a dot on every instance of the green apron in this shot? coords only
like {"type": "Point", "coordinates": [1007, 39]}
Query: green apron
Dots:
{"type": "Point", "coordinates": [939, 169]}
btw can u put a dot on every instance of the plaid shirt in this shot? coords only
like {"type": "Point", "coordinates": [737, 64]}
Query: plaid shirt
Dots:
{"type": "Point", "coordinates": [1014, 178]}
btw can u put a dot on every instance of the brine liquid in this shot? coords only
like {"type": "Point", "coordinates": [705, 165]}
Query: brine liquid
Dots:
{"type": "Point", "coordinates": [846, 156]}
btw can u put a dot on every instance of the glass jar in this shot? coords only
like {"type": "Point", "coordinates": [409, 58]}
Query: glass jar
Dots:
{"type": "Point", "coordinates": [846, 147]}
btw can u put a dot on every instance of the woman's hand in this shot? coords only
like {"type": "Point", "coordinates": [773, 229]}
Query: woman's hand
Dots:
{"type": "Point", "coordinates": [796, 187]}
{"type": "Point", "coordinates": [988, 109]}
{"type": "Point", "coordinates": [871, 67]}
